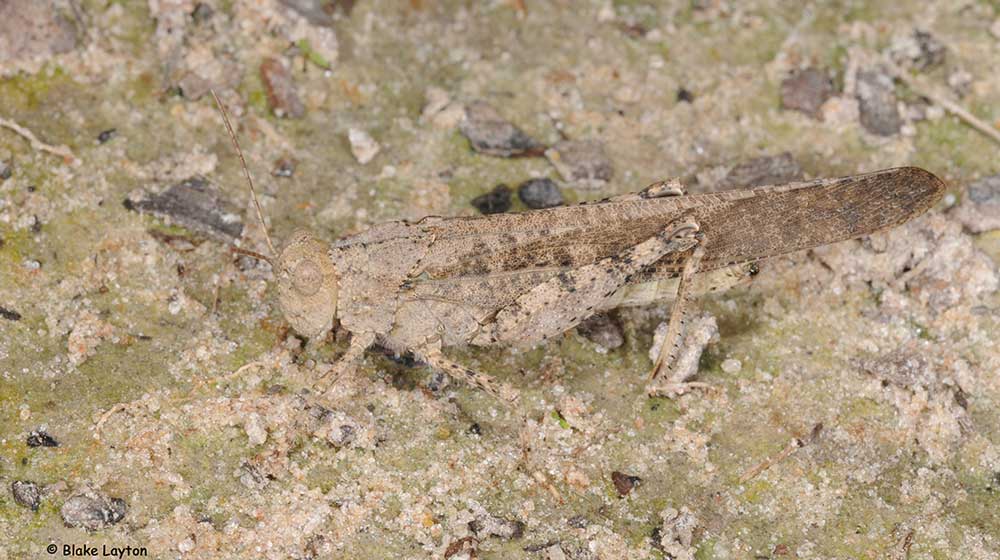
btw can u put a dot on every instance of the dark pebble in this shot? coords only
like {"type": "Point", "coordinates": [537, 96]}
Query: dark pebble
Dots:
{"type": "Point", "coordinates": [684, 96]}
{"type": "Point", "coordinates": [6, 171]}
{"type": "Point", "coordinates": [806, 91]}
{"type": "Point", "coordinates": [9, 314]}
{"type": "Point", "coordinates": [475, 429]}
{"type": "Point", "coordinates": [494, 202]}
{"type": "Point", "coordinates": [491, 134]}
{"type": "Point", "coordinates": [877, 103]}
{"type": "Point", "coordinates": [282, 95]}
{"type": "Point", "coordinates": [284, 168]}
{"type": "Point", "coordinates": [603, 330]}
{"type": "Point", "coordinates": [540, 193]}
{"type": "Point", "coordinates": [26, 493]}
{"type": "Point", "coordinates": [765, 170]}
{"type": "Point", "coordinates": [106, 135]}
{"type": "Point", "coordinates": [624, 483]}
{"type": "Point", "coordinates": [92, 511]}
{"type": "Point", "coordinates": [39, 438]}
{"type": "Point", "coordinates": [195, 204]}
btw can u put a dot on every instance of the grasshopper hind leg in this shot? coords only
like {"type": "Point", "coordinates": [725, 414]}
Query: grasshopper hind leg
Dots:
{"type": "Point", "coordinates": [670, 347]}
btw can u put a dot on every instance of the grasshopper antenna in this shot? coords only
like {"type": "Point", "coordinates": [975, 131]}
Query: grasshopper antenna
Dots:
{"type": "Point", "coordinates": [253, 193]}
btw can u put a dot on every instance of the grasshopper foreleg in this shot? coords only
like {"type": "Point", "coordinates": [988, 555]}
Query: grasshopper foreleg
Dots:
{"type": "Point", "coordinates": [561, 302]}
{"type": "Point", "coordinates": [359, 343]}
{"type": "Point", "coordinates": [432, 356]}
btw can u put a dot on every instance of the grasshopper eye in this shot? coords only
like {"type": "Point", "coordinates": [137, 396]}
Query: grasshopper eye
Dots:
{"type": "Point", "coordinates": [307, 278]}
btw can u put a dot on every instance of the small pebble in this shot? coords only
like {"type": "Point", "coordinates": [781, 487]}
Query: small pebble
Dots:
{"type": "Point", "coordinates": [487, 525]}
{"type": "Point", "coordinates": [491, 134]}
{"type": "Point", "coordinates": [6, 171]}
{"type": "Point", "coordinates": [731, 365]}
{"type": "Point", "coordinates": [92, 511]}
{"type": "Point", "coordinates": [255, 429]}
{"type": "Point", "coordinates": [624, 483]}
{"type": "Point", "coordinates": [494, 202]}
{"type": "Point", "coordinates": [584, 162]}
{"type": "Point", "coordinates": [602, 329]}
{"type": "Point", "coordinates": [540, 193]}
{"type": "Point", "coordinates": [877, 103]}
{"type": "Point", "coordinates": [919, 50]}
{"type": "Point", "coordinates": [283, 168]}
{"type": "Point", "coordinates": [106, 135]}
{"type": "Point", "coordinates": [684, 96]}
{"type": "Point", "coordinates": [806, 91]}
{"type": "Point", "coordinates": [980, 208]}
{"type": "Point", "coordinates": [26, 493]}
{"type": "Point", "coordinates": [766, 170]}
{"type": "Point", "coordinates": [193, 203]}
{"type": "Point", "coordinates": [363, 146]}
{"type": "Point", "coordinates": [9, 314]}
{"type": "Point", "coordinates": [282, 95]}
{"type": "Point", "coordinates": [39, 438]}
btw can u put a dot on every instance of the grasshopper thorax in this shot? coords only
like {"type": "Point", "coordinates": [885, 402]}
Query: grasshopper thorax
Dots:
{"type": "Point", "coordinates": [307, 284]}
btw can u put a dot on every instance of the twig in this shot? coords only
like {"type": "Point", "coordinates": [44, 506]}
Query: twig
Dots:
{"type": "Point", "coordinates": [792, 446]}
{"type": "Point", "coordinates": [945, 103]}
{"type": "Point", "coordinates": [37, 144]}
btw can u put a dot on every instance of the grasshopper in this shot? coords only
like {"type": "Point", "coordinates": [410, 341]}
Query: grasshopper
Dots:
{"type": "Point", "coordinates": [519, 279]}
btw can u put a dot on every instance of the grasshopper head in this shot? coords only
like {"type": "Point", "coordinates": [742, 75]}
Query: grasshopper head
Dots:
{"type": "Point", "coordinates": [307, 284]}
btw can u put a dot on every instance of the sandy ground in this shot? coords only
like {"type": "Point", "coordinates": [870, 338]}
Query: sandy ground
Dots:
{"type": "Point", "coordinates": [152, 396]}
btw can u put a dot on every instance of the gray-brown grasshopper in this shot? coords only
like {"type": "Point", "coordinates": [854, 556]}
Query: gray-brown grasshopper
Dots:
{"type": "Point", "coordinates": [518, 279]}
